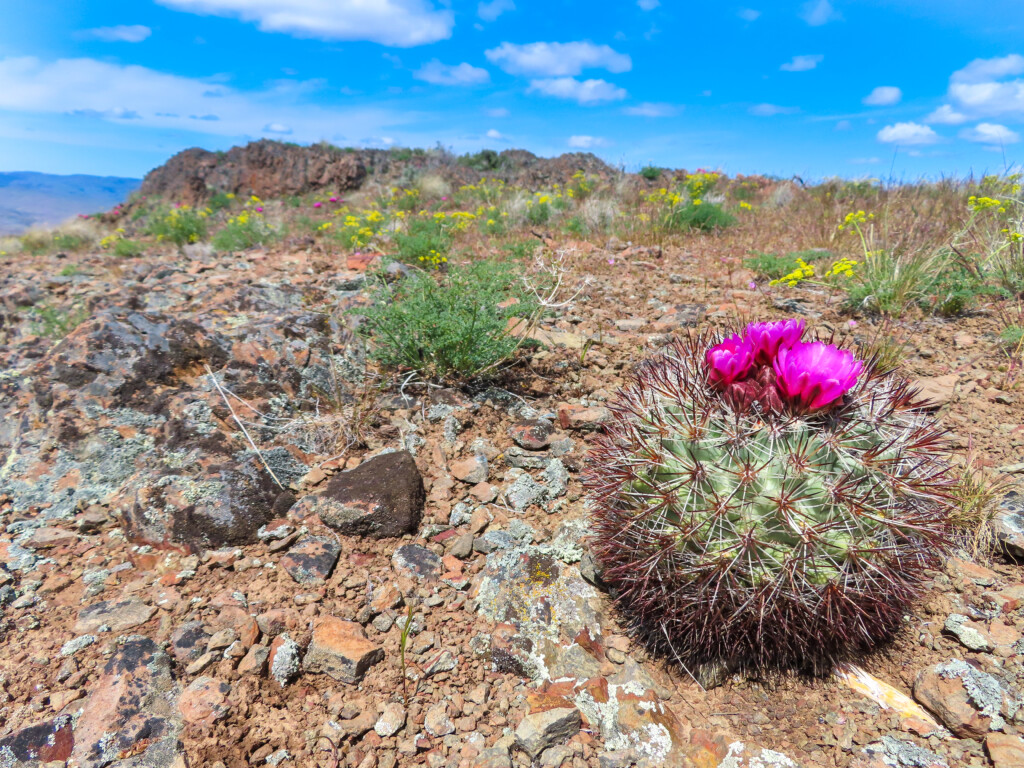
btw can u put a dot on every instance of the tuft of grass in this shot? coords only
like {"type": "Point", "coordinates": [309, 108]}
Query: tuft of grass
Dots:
{"type": "Point", "coordinates": [247, 230]}
{"type": "Point", "coordinates": [704, 217]}
{"type": "Point", "coordinates": [57, 323]}
{"type": "Point", "coordinates": [455, 327]}
{"type": "Point", "coordinates": [890, 284]}
{"type": "Point", "coordinates": [128, 249]}
{"type": "Point", "coordinates": [651, 172]}
{"type": "Point", "coordinates": [977, 492]}
{"type": "Point", "coordinates": [425, 243]}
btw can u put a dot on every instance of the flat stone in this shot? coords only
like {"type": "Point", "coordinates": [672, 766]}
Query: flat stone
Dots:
{"type": "Point", "coordinates": [205, 701]}
{"type": "Point", "coordinates": [495, 757]}
{"type": "Point", "coordinates": [381, 498]}
{"type": "Point", "coordinates": [436, 721]}
{"type": "Point", "coordinates": [117, 616]}
{"type": "Point", "coordinates": [462, 547]}
{"type": "Point", "coordinates": [966, 700]}
{"type": "Point", "coordinates": [312, 559]}
{"type": "Point", "coordinates": [938, 390]}
{"type": "Point", "coordinates": [540, 730]}
{"type": "Point", "coordinates": [132, 709]}
{"type": "Point", "coordinates": [50, 538]}
{"type": "Point", "coordinates": [416, 562]}
{"type": "Point", "coordinates": [1008, 525]}
{"type": "Point", "coordinates": [391, 720]}
{"type": "Point", "coordinates": [472, 470]}
{"type": "Point", "coordinates": [340, 649]}
{"type": "Point", "coordinates": [254, 661]}
{"type": "Point", "coordinates": [47, 742]}
{"type": "Point", "coordinates": [583, 417]}
{"type": "Point", "coordinates": [523, 492]}
{"type": "Point", "coordinates": [1005, 750]}
{"type": "Point", "coordinates": [532, 434]}
{"type": "Point", "coordinates": [969, 635]}
{"type": "Point", "coordinates": [440, 661]}
{"type": "Point", "coordinates": [188, 641]}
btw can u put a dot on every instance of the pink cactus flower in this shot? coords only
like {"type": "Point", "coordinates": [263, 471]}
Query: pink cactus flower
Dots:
{"type": "Point", "coordinates": [334, 199]}
{"type": "Point", "coordinates": [259, 209]}
{"type": "Point", "coordinates": [729, 361]}
{"type": "Point", "coordinates": [812, 376]}
{"type": "Point", "coordinates": [767, 339]}
{"type": "Point", "coordinates": [317, 204]}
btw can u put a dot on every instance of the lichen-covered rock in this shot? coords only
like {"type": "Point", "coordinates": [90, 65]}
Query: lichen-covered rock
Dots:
{"type": "Point", "coordinates": [968, 701]}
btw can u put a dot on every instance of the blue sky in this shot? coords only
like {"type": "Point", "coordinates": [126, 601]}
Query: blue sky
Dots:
{"type": "Point", "coordinates": [827, 87]}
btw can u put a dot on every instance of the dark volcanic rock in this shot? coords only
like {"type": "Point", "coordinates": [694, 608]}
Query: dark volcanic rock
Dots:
{"type": "Point", "coordinates": [416, 562]}
{"type": "Point", "coordinates": [51, 741]}
{"type": "Point", "coordinates": [312, 559]}
{"type": "Point", "coordinates": [381, 498]}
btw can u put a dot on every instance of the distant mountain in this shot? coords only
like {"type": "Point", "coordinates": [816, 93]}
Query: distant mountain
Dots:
{"type": "Point", "coordinates": [28, 199]}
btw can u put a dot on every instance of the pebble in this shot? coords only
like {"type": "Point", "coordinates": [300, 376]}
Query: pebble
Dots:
{"type": "Point", "coordinates": [391, 720]}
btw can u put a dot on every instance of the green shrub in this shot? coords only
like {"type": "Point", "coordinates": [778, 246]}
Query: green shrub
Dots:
{"type": "Point", "coordinates": [539, 213]}
{"type": "Point", "coordinates": [128, 249]}
{"type": "Point", "coordinates": [181, 226]}
{"type": "Point", "coordinates": [484, 160]}
{"type": "Point", "coordinates": [221, 201]}
{"type": "Point", "coordinates": [576, 226]}
{"type": "Point", "coordinates": [773, 266]}
{"type": "Point", "coordinates": [650, 172]}
{"type": "Point", "coordinates": [452, 327]}
{"type": "Point", "coordinates": [890, 284]}
{"type": "Point", "coordinates": [424, 243]}
{"type": "Point", "coordinates": [246, 230]}
{"type": "Point", "coordinates": [704, 216]}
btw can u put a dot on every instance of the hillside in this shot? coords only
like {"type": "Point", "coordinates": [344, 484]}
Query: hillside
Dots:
{"type": "Point", "coordinates": [28, 199]}
{"type": "Point", "coordinates": [312, 457]}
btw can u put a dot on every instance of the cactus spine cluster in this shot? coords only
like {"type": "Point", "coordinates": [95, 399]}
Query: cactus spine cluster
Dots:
{"type": "Point", "coordinates": [748, 530]}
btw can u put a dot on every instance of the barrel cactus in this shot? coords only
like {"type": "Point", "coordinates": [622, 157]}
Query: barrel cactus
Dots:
{"type": "Point", "coordinates": [765, 501]}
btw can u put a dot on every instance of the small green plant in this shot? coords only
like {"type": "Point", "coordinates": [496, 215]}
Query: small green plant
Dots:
{"type": "Point", "coordinates": [70, 270]}
{"type": "Point", "coordinates": [521, 249]}
{"type": "Point", "coordinates": [651, 172]}
{"type": "Point", "coordinates": [425, 243]}
{"type": "Point", "coordinates": [977, 491]}
{"type": "Point", "coordinates": [128, 249]}
{"type": "Point", "coordinates": [246, 230]}
{"type": "Point", "coordinates": [221, 201]}
{"type": "Point", "coordinates": [699, 215]}
{"type": "Point", "coordinates": [181, 225]}
{"type": "Point", "coordinates": [57, 323]}
{"type": "Point", "coordinates": [484, 160]}
{"type": "Point", "coordinates": [576, 226]}
{"type": "Point", "coordinates": [454, 327]}
{"type": "Point", "coordinates": [403, 641]}
{"type": "Point", "coordinates": [775, 267]}
{"type": "Point", "coordinates": [539, 213]}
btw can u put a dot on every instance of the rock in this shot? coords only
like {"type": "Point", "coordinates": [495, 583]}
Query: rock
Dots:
{"type": "Point", "coordinates": [441, 661]}
{"type": "Point", "coordinates": [284, 659]}
{"type": "Point", "coordinates": [254, 661]}
{"type": "Point", "coordinates": [540, 730]}
{"type": "Point", "coordinates": [938, 390]}
{"type": "Point", "coordinates": [391, 721]}
{"type": "Point", "coordinates": [1008, 525]}
{"type": "Point", "coordinates": [436, 721]}
{"type": "Point", "coordinates": [630, 324]}
{"type": "Point", "coordinates": [71, 647]}
{"type": "Point", "coordinates": [492, 758]}
{"type": "Point", "coordinates": [897, 752]}
{"type": "Point", "coordinates": [462, 547]}
{"type": "Point", "coordinates": [205, 701]}
{"type": "Point", "coordinates": [556, 479]}
{"type": "Point", "coordinates": [1005, 750]}
{"type": "Point", "coordinates": [485, 493]}
{"type": "Point", "coordinates": [532, 434]}
{"type": "Point", "coordinates": [266, 168]}
{"type": "Point", "coordinates": [524, 492]}
{"type": "Point", "coordinates": [967, 701]}
{"type": "Point", "coordinates": [117, 616]}
{"type": "Point", "coordinates": [381, 498]}
{"type": "Point", "coordinates": [472, 470]}
{"type": "Point", "coordinates": [553, 757]}
{"type": "Point", "coordinates": [47, 742]}
{"type": "Point", "coordinates": [416, 562]}
{"type": "Point", "coordinates": [311, 559]}
{"type": "Point", "coordinates": [49, 538]}
{"type": "Point", "coordinates": [582, 417]}
{"type": "Point", "coordinates": [964, 631]}
{"type": "Point", "coordinates": [132, 710]}
{"type": "Point", "coordinates": [340, 649]}
{"type": "Point", "coordinates": [188, 641]}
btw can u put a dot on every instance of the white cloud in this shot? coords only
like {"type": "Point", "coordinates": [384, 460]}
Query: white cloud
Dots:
{"type": "Point", "coordinates": [648, 5]}
{"type": "Point", "coordinates": [557, 59]}
{"type": "Point", "coordinates": [770, 110]}
{"type": "Point", "coordinates": [652, 109]}
{"type": "Point", "coordinates": [946, 115]}
{"type": "Point", "coordinates": [990, 133]}
{"type": "Point", "coordinates": [802, 63]}
{"type": "Point", "coordinates": [492, 10]}
{"type": "Point", "coordinates": [496, 135]}
{"type": "Point", "coordinates": [497, 112]}
{"type": "Point", "coordinates": [819, 12]}
{"type": "Point", "coordinates": [133, 33]}
{"type": "Point", "coordinates": [587, 142]}
{"type": "Point", "coordinates": [983, 89]}
{"type": "Point", "coordinates": [883, 96]}
{"type": "Point", "coordinates": [583, 91]}
{"type": "Point", "coordinates": [451, 74]}
{"type": "Point", "coordinates": [401, 23]}
{"type": "Point", "coordinates": [749, 14]}
{"type": "Point", "coordinates": [843, 125]}
{"type": "Point", "coordinates": [139, 96]}
{"type": "Point", "coordinates": [907, 134]}
{"type": "Point", "coordinates": [982, 70]}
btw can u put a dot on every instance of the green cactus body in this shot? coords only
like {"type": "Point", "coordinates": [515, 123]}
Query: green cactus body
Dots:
{"type": "Point", "coordinates": [764, 540]}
